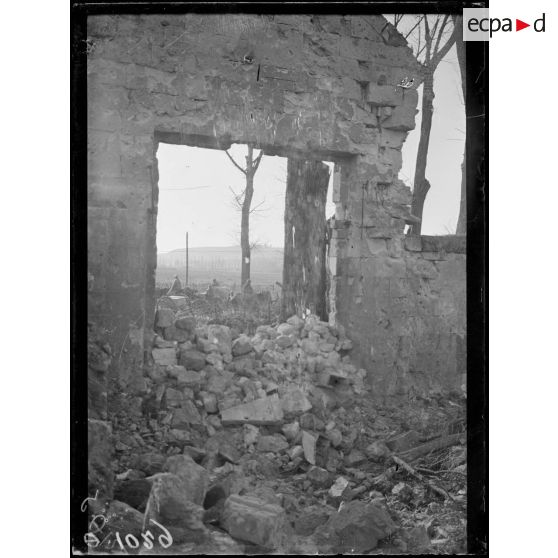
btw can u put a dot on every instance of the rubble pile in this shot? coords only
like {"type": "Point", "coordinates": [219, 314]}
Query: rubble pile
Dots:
{"type": "Point", "coordinates": [240, 444]}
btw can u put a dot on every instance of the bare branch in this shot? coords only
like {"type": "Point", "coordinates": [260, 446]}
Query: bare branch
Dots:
{"type": "Point", "coordinates": [256, 163]}
{"type": "Point", "coordinates": [414, 26]}
{"type": "Point", "coordinates": [428, 39]}
{"type": "Point", "coordinates": [257, 207]}
{"type": "Point", "coordinates": [421, 50]}
{"type": "Point", "coordinates": [440, 33]}
{"type": "Point", "coordinates": [238, 198]}
{"type": "Point", "coordinates": [436, 23]}
{"type": "Point", "coordinates": [443, 51]}
{"type": "Point", "coordinates": [235, 163]}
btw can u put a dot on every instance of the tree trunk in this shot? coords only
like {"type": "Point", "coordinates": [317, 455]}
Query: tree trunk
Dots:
{"type": "Point", "coordinates": [245, 220]}
{"type": "Point", "coordinates": [421, 185]}
{"type": "Point", "coordinates": [462, 219]}
{"type": "Point", "coordinates": [304, 265]}
{"type": "Point", "coordinates": [460, 48]}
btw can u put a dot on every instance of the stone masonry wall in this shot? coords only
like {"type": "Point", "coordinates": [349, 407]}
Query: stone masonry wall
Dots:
{"type": "Point", "coordinates": [298, 86]}
{"type": "Point", "coordinates": [404, 307]}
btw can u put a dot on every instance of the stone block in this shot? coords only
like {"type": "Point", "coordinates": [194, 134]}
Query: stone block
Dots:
{"type": "Point", "coordinates": [253, 520]}
{"type": "Point", "coordinates": [186, 415]}
{"type": "Point", "coordinates": [169, 505]}
{"type": "Point", "coordinates": [172, 333]}
{"type": "Point", "coordinates": [220, 336]}
{"type": "Point", "coordinates": [384, 95]}
{"type": "Point", "coordinates": [309, 441]}
{"type": "Point", "coordinates": [413, 243]}
{"type": "Point", "coordinates": [310, 520]}
{"type": "Point", "coordinates": [164, 318]}
{"type": "Point", "coordinates": [164, 357]}
{"type": "Point", "coordinates": [274, 444]}
{"type": "Point", "coordinates": [358, 527]}
{"type": "Point", "coordinates": [400, 118]}
{"type": "Point", "coordinates": [355, 458]}
{"type": "Point", "coordinates": [377, 451]}
{"type": "Point", "coordinates": [291, 430]}
{"type": "Point", "coordinates": [189, 378]}
{"type": "Point", "coordinates": [295, 401]}
{"type": "Point", "coordinates": [184, 321]}
{"type": "Point", "coordinates": [195, 477]}
{"type": "Point", "coordinates": [265, 411]}
{"type": "Point", "coordinates": [241, 346]}
{"type": "Point", "coordinates": [318, 476]}
{"type": "Point", "coordinates": [339, 491]}
{"type": "Point", "coordinates": [192, 359]}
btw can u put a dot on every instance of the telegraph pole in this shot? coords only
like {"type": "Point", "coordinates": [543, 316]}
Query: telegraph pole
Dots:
{"type": "Point", "coordinates": [186, 259]}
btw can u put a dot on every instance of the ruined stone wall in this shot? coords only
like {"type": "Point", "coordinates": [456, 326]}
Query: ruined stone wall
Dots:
{"type": "Point", "coordinates": [300, 86]}
{"type": "Point", "coordinates": [404, 306]}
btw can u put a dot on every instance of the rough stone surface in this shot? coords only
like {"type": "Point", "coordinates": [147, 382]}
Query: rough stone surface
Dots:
{"type": "Point", "coordinates": [169, 504]}
{"type": "Point", "coordinates": [250, 519]}
{"type": "Point", "coordinates": [133, 492]}
{"type": "Point", "coordinates": [164, 318]}
{"type": "Point", "coordinates": [164, 357]}
{"type": "Point", "coordinates": [241, 346]}
{"type": "Point", "coordinates": [309, 446]}
{"type": "Point", "coordinates": [358, 527]}
{"type": "Point", "coordinates": [275, 443]}
{"type": "Point", "coordinates": [295, 401]}
{"type": "Point", "coordinates": [312, 518]}
{"type": "Point", "coordinates": [195, 477]}
{"type": "Point", "coordinates": [265, 411]}
{"type": "Point", "coordinates": [192, 359]}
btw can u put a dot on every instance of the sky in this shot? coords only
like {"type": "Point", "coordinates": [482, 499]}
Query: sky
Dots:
{"type": "Point", "coordinates": [195, 184]}
{"type": "Point", "coordinates": [195, 196]}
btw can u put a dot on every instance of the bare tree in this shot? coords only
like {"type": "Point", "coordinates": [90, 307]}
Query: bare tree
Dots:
{"type": "Point", "coordinates": [243, 201]}
{"type": "Point", "coordinates": [432, 39]}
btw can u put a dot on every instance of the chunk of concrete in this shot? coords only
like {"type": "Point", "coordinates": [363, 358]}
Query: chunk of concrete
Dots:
{"type": "Point", "coordinates": [250, 519]}
{"type": "Point", "coordinates": [265, 411]}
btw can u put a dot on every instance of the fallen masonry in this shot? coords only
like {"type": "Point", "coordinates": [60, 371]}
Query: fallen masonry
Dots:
{"type": "Point", "coordinates": [249, 451]}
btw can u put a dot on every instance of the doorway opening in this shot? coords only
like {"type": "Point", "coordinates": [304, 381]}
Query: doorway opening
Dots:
{"type": "Point", "coordinates": [200, 195]}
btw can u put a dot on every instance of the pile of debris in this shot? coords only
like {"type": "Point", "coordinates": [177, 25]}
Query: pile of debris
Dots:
{"type": "Point", "coordinates": [242, 444]}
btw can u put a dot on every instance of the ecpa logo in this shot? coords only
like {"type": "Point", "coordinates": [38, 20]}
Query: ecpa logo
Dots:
{"type": "Point", "coordinates": [478, 26]}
